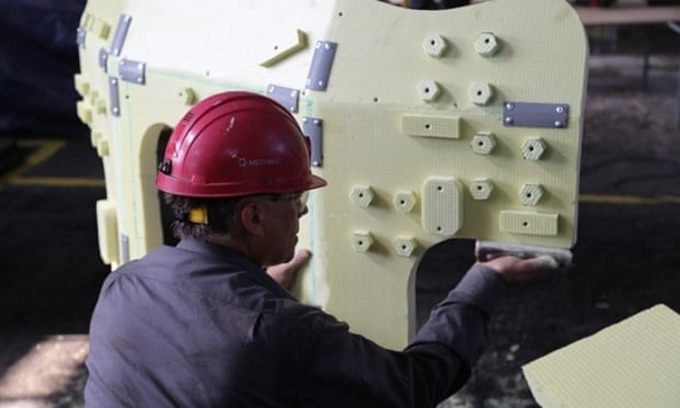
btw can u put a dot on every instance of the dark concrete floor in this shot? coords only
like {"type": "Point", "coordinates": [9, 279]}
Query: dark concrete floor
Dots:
{"type": "Point", "coordinates": [50, 269]}
{"type": "Point", "coordinates": [625, 260]}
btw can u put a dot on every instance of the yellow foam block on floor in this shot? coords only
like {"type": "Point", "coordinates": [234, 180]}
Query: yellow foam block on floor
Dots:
{"type": "Point", "coordinates": [635, 363]}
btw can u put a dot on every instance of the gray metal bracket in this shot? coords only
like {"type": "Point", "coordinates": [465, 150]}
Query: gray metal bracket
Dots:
{"type": "Point", "coordinates": [313, 129]}
{"type": "Point", "coordinates": [530, 114]}
{"type": "Point", "coordinates": [124, 249]}
{"type": "Point", "coordinates": [80, 37]}
{"type": "Point", "coordinates": [287, 97]}
{"type": "Point", "coordinates": [114, 97]}
{"type": "Point", "coordinates": [121, 33]}
{"type": "Point", "coordinates": [132, 71]}
{"type": "Point", "coordinates": [103, 59]}
{"type": "Point", "coordinates": [322, 62]}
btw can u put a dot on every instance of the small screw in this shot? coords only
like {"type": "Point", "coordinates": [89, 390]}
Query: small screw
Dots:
{"type": "Point", "coordinates": [560, 109]}
{"type": "Point", "coordinates": [509, 106]}
{"type": "Point", "coordinates": [508, 120]}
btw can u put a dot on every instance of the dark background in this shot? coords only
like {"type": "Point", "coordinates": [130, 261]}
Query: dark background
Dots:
{"type": "Point", "coordinates": [625, 259]}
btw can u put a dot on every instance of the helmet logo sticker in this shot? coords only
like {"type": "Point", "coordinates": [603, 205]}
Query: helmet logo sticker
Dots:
{"type": "Point", "coordinates": [245, 162]}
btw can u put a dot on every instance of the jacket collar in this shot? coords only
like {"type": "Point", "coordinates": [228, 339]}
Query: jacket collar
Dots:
{"type": "Point", "coordinates": [253, 271]}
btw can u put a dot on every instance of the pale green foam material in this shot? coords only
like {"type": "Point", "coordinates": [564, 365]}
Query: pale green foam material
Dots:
{"type": "Point", "coordinates": [412, 96]}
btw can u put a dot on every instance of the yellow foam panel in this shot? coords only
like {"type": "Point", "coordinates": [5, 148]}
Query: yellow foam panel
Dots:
{"type": "Point", "coordinates": [635, 363]}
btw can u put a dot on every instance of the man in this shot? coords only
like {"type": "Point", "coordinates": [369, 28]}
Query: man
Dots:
{"type": "Point", "coordinates": [203, 325]}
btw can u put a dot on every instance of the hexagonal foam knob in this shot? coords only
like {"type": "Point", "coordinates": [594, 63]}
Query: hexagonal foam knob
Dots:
{"type": "Point", "coordinates": [480, 93]}
{"type": "Point", "coordinates": [362, 241]}
{"type": "Point", "coordinates": [530, 194]}
{"type": "Point", "coordinates": [404, 201]}
{"type": "Point", "coordinates": [481, 189]}
{"type": "Point", "coordinates": [405, 246]}
{"type": "Point", "coordinates": [362, 196]}
{"type": "Point", "coordinates": [487, 45]}
{"type": "Point", "coordinates": [435, 45]}
{"type": "Point", "coordinates": [428, 90]}
{"type": "Point", "coordinates": [533, 148]}
{"type": "Point", "coordinates": [188, 96]}
{"type": "Point", "coordinates": [483, 143]}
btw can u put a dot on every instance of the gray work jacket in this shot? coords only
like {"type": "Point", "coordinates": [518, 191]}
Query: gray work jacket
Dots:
{"type": "Point", "coordinates": [198, 325]}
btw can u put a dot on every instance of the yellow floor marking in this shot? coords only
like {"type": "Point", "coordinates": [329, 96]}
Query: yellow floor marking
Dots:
{"type": "Point", "coordinates": [628, 199]}
{"type": "Point", "coordinates": [45, 150]}
{"type": "Point", "coordinates": [58, 181]}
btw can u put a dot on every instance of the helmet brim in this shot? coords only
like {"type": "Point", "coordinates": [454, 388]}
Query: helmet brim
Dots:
{"type": "Point", "coordinates": [317, 182]}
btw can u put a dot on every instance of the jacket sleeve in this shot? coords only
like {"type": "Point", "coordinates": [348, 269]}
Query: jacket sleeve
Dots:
{"type": "Point", "coordinates": [346, 369]}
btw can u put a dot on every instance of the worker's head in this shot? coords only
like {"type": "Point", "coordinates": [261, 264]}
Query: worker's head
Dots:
{"type": "Point", "coordinates": [234, 160]}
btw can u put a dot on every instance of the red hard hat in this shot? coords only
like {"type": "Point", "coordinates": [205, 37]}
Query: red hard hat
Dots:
{"type": "Point", "coordinates": [235, 144]}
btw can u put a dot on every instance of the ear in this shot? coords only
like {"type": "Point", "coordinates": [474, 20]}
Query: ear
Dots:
{"type": "Point", "coordinates": [251, 217]}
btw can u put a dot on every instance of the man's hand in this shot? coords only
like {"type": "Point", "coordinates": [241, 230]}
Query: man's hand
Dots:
{"type": "Point", "coordinates": [286, 273]}
{"type": "Point", "coordinates": [514, 269]}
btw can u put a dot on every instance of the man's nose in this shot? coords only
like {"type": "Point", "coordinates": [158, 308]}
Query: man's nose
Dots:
{"type": "Point", "coordinates": [303, 210]}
